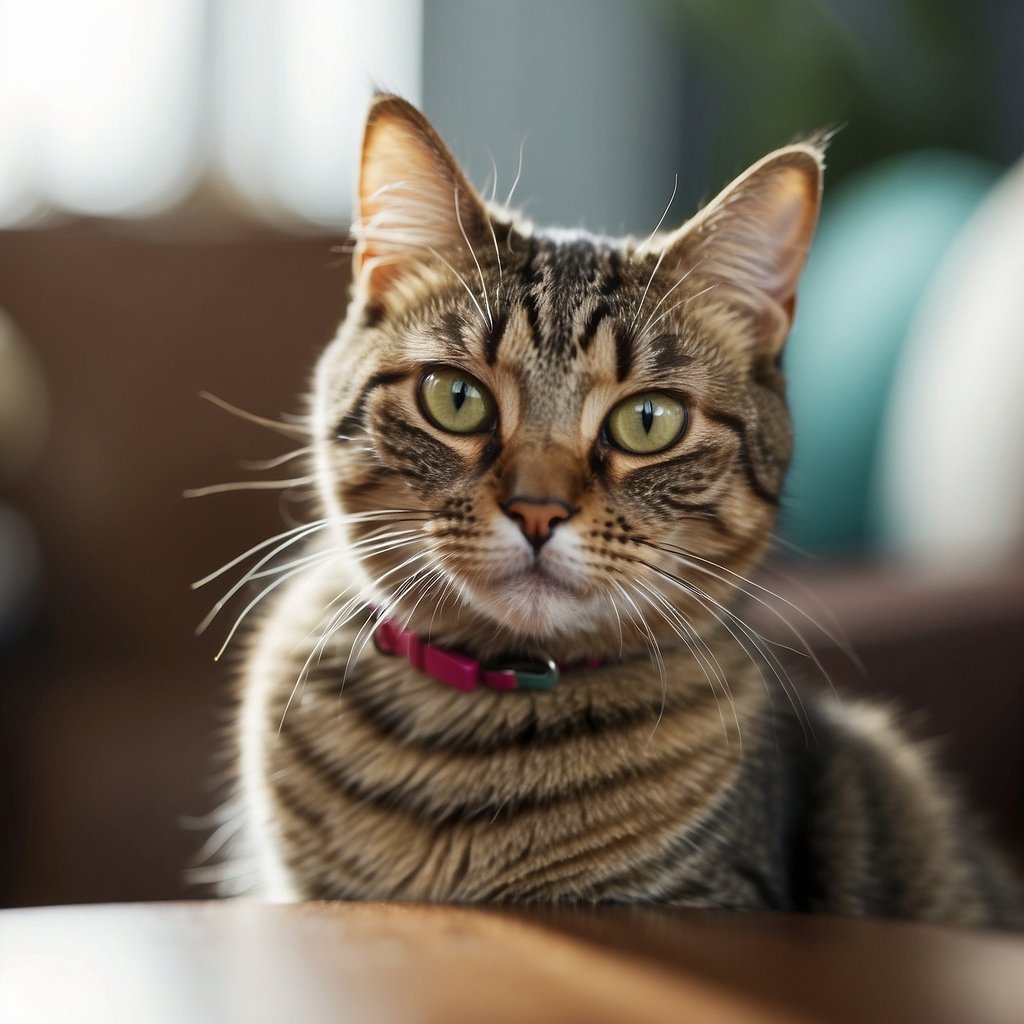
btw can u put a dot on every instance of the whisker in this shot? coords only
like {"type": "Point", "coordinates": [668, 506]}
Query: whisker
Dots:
{"type": "Point", "coordinates": [643, 298]}
{"type": "Point", "coordinates": [462, 281]}
{"type": "Point", "coordinates": [497, 256]}
{"type": "Point", "coordinates": [661, 220]}
{"type": "Point", "coordinates": [449, 586]}
{"type": "Point", "coordinates": [245, 485]}
{"type": "Point", "coordinates": [655, 650]}
{"type": "Point", "coordinates": [381, 544]}
{"type": "Point", "coordinates": [705, 658]}
{"type": "Point", "coordinates": [693, 640]}
{"type": "Point", "coordinates": [319, 525]}
{"type": "Point", "coordinates": [258, 573]}
{"type": "Point", "coordinates": [701, 564]}
{"type": "Point", "coordinates": [681, 302]}
{"type": "Point", "coordinates": [476, 262]}
{"type": "Point", "coordinates": [273, 570]}
{"type": "Point", "coordinates": [519, 173]}
{"type": "Point", "coordinates": [438, 577]}
{"type": "Point", "coordinates": [311, 527]}
{"type": "Point", "coordinates": [288, 429]}
{"type": "Point", "coordinates": [491, 183]}
{"type": "Point", "coordinates": [618, 619]}
{"type": "Point", "coordinates": [364, 635]}
{"type": "Point", "coordinates": [707, 602]}
{"type": "Point", "coordinates": [367, 595]}
{"type": "Point", "coordinates": [280, 460]}
{"type": "Point", "coordinates": [684, 278]}
{"type": "Point", "coordinates": [664, 680]}
{"type": "Point", "coordinates": [835, 633]}
{"type": "Point", "coordinates": [336, 622]}
{"type": "Point", "coordinates": [251, 605]}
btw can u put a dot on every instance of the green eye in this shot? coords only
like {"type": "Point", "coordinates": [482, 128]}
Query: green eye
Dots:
{"type": "Point", "coordinates": [455, 401]}
{"type": "Point", "coordinates": [647, 423]}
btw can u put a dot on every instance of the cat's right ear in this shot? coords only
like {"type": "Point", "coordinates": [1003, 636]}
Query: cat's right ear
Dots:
{"type": "Point", "coordinates": [413, 197]}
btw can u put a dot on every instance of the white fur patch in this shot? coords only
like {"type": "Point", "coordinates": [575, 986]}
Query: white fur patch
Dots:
{"type": "Point", "coordinates": [537, 606]}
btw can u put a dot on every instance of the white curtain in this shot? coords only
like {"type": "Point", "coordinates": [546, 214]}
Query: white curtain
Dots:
{"type": "Point", "coordinates": [121, 108]}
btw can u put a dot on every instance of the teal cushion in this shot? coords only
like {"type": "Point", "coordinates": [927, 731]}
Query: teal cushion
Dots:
{"type": "Point", "coordinates": [881, 238]}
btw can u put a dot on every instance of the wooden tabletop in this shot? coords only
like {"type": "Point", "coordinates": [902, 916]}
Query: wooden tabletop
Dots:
{"type": "Point", "coordinates": [307, 963]}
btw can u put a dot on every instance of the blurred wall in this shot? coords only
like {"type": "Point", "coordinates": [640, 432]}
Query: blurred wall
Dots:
{"type": "Point", "coordinates": [594, 90]}
{"type": "Point", "coordinates": [112, 712]}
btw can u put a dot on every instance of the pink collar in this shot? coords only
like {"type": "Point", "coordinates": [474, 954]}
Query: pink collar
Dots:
{"type": "Point", "coordinates": [463, 672]}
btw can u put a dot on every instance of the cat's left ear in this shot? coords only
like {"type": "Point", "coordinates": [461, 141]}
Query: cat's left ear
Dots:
{"type": "Point", "coordinates": [752, 240]}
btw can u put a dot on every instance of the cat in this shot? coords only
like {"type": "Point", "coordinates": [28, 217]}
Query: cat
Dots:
{"type": "Point", "coordinates": [506, 666]}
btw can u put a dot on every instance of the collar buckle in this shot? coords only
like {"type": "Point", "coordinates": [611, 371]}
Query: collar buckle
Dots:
{"type": "Point", "coordinates": [521, 674]}
{"type": "Point", "coordinates": [459, 670]}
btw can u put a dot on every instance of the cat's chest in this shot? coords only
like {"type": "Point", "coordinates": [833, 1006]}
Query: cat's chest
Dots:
{"type": "Point", "coordinates": [396, 787]}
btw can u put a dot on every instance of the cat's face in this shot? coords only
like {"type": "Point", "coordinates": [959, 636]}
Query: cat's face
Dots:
{"type": "Point", "coordinates": [582, 439]}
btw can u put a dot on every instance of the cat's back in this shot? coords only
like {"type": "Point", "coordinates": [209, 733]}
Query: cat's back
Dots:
{"type": "Point", "coordinates": [882, 831]}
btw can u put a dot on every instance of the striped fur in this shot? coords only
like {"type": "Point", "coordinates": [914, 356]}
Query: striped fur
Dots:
{"type": "Point", "coordinates": [685, 768]}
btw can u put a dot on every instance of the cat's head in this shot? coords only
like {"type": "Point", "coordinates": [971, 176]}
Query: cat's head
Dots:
{"type": "Point", "coordinates": [583, 439]}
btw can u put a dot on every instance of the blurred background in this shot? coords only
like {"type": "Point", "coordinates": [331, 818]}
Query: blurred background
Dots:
{"type": "Point", "coordinates": [176, 183]}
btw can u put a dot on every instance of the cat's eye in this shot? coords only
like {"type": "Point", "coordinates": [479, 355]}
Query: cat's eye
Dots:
{"type": "Point", "coordinates": [457, 402]}
{"type": "Point", "coordinates": [646, 423]}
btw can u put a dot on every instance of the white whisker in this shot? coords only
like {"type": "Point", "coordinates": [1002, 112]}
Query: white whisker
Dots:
{"type": "Point", "coordinates": [252, 604]}
{"type": "Point", "coordinates": [492, 178]}
{"type": "Point", "coordinates": [681, 302]}
{"type": "Point", "coordinates": [655, 650]}
{"type": "Point", "coordinates": [661, 220]}
{"type": "Point", "coordinates": [462, 281]}
{"type": "Point", "coordinates": [497, 256]}
{"type": "Point", "coordinates": [289, 430]}
{"type": "Point", "coordinates": [310, 527]}
{"type": "Point", "coordinates": [246, 485]}
{"type": "Point", "coordinates": [700, 564]}
{"type": "Point", "coordinates": [647, 323]}
{"type": "Point", "coordinates": [643, 298]}
{"type": "Point", "coordinates": [476, 262]}
{"type": "Point", "coordinates": [519, 174]}
{"type": "Point", "coordinates": [713, 607]}
{"type": "Point", "coordinates": [319, 524]}
{"type": "Point", "coordinates": [337, 621]}
{"type": "Point", "coordinates": [365, 634]}
{"type": "Point", "coordinates": [701, 652]}
{"type": "Point", "coordinates": [280, 460]}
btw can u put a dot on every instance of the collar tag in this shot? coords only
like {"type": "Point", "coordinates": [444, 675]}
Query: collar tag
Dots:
{"type": "Point", "coordinates": [461, 671]}
{"type": "Point", "coordinates": [524, 675]}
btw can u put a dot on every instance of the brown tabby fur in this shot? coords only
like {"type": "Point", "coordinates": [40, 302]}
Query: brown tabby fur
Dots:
{"type": "Point", "coordinates": [683, 768]}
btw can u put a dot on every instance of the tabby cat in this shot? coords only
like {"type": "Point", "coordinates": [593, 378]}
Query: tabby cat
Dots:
{"type": "Point", "coordinates": [506, 666]}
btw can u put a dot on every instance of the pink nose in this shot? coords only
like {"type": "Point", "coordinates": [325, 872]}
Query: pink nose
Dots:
{"type": "Point", "coordinates": [537, 517]}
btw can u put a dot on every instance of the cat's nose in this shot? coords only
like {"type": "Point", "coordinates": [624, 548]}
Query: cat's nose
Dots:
{"type": "Point", "coordinates": [537, 517]}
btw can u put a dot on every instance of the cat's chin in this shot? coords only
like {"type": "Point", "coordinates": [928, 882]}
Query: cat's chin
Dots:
{"type": "Point", "coordinates": [538, 604]}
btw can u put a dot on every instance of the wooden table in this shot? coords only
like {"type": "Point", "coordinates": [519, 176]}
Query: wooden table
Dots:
{"type": "Point", "coordinates": [307, 963]}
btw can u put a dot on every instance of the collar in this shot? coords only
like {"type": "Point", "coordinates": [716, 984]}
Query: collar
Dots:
{"type": "Point", "coordinates": [461, 671]}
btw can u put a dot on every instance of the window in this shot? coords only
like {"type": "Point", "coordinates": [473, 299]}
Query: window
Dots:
{"type": "Point", "coordinates": [122, 108]}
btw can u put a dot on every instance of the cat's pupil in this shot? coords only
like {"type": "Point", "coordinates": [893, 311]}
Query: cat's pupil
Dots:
{"type": "Point", "coordinates": [458, 394]}
{"type": "Point", "coordinates": [647, 415]}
